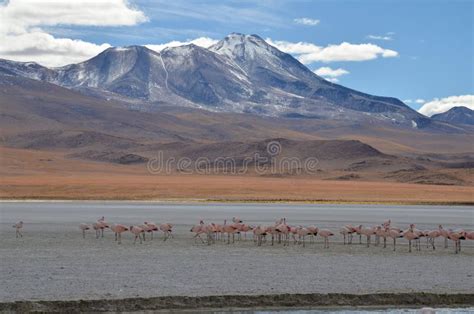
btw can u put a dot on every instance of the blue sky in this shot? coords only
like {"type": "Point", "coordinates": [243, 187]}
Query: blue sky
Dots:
{"type": "Point", "coordinates": [433, 40]}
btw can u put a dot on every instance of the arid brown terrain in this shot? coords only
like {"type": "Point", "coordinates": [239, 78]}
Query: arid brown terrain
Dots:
{"type": "Point", "coordinates": [58, 143]}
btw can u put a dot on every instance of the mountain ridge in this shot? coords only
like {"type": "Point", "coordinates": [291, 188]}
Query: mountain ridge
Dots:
{"type": "Point", "coordinates": [456, 115]}
{"type": "Point", "coordinates": [239, 74]}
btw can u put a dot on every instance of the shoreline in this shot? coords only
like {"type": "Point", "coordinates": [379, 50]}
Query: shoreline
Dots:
{"type": "Point", "coordinates": [236, 201]}
{"type": "Point", "coordinates": [297, 301]}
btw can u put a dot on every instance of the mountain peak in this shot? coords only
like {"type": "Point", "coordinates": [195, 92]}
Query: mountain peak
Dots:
{"type": "Point", "coordinates": [456, 115]}
{"type": "Point", "coordinates": [242, 46]}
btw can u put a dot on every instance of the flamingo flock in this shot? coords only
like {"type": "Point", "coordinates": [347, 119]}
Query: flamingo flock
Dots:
{"type": "Point", "coordinates": [139, 231]}
{"type": "Point", "coordinates": [280, 232]}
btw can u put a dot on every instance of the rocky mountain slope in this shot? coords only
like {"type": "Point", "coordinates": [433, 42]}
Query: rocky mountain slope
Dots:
{"type": "Point", "coordinates": [456, 116]}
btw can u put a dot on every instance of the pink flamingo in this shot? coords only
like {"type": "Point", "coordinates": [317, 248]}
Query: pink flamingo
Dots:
{"type": "Point", "coordinates": [313, 232]}
{"type": "Point", "coordinates": [302, 233]}
{"type": "Point", "coordinates": [18, 226]}
{"type": "Point", "coordinates": [357, 231]}
{"type": "Point", "coordinates": [326, 234]}
{"type": "Point", "coordinates": [457, 236]}
{"type": "Point", "coordinates": [350, 232]}
{"type": "Point", "coordinates": [198, 230]}
{"type": "Point", "coordinates": [84, 227]}
{"type": "Point", "coordinates": [118, 229]}
{"type": "Point", "coordinates": [245, 228]}
{"type": "Point", "coordinates": [237, 220]}
{"type": "Point", "coordinates": [137, 231]}
{"type": "Point", "coordinates": [167, 229]}
{"type": "Point", "coordinates": [151, 226]}
{"type": "Point", "coordinates": [470, 235]}
{"type": "Point", "coordinates": [259, 234]}
{"type": "Point", "coordinates": [394, 233]}
{"type": "Point", "coordinates": [445, 234]}
{"type": "Point", "coordinates": [368, 232]}
{"type": "Point", "coordinates": [410, 235]}
{"type": "Point", "coordinates": [432, 235]}
{"type": "Point", "coordinates": [346, 233]}
{"type": "Point", "coordinates": [99, 227]}
{"type": "Point", "coordinates": [283, 230]}
{"type": "Point", "coordinates": [380, 233]}
{"type": "Point", "coordinates": [229, 229]}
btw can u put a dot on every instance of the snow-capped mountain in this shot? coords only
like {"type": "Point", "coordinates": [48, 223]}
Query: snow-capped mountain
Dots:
{"type": "Point", "coordinates": [241, 73]}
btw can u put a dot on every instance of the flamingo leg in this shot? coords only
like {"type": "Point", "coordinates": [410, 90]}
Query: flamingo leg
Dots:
{"type": "Point", "coordinates": [83, 234]}
{"type": "Point", "coordinates": [409, 246]}
{"type": "Point", "coordinates": [119, 238]}
{"type": "Point", "coordinates": [394, 243]}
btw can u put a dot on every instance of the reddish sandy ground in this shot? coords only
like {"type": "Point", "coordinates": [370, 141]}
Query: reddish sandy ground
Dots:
{"type": "Point", "coordinates": [109, 186]}
{"type": "Point", "coordinates": [45, 175]}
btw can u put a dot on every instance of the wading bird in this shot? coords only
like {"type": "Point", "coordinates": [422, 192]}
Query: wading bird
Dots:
{"type": "Point", "coordinates": [18, 226]}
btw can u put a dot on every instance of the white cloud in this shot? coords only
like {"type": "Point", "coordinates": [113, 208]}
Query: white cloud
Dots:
{"type": "Point", "coordinates": [408, 101]}
{"type": "Point", "coordinates": [306, 21]}
{"type": "Point", "coordinates": [26, 13]}
{"type": "Point", "coordinates": [332, 79]}
{"type": "Point", "coordinates": [204, 42]}
{"type": "Point", "coordinates": [328, 72]}
{"type": "Point", "coordinates": [21, 22]}
{"type": "Point", "coordinates": [308, 53]}
{"type": "Point", "coordinates": [387, 36]}
{"type": "Point", "coordinates": [444, 104]}
{"type": "Point", "coordinates": [420, 101]}
{"type": "Point", "coordinates": [379, 37]}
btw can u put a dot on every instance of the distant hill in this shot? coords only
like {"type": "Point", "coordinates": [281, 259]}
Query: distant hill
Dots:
{"type": "Point", "coordinates": [456, 115]}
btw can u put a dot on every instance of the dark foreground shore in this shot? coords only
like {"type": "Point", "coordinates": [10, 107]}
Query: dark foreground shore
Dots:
{"type": "Point", "coordinates": [242, 302]}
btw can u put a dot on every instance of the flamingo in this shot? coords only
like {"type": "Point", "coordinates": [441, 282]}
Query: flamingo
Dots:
{"type": "Point", "coordinates": [198, 230]}
{"type": "Point", "coordinates": [237, 220]}
{"type": "Point", "coordinates": [470, 235]}
{"type": "Point", "coordinates": [151, 226]}
{"type": "Point", "coordinates": [368, 232]}
{"type": "Point", "coordinates": [345, 232]}
{"type": "Point", "coordinates": [313, 232]}
{"type": "Point", "coordinates": [432, 235]}
{"type": "Point", "coordinates": [283, 229]}
{"type": "Point", "coordinates": [457, 236]}
{"type": "Point", "coordinates": [84, 227]}
{"type": "Point", "coordinates": [259, 233]}
{"type": "Point", "coordinates": [357, 231]}
{"type": "Point", "coordinates": [410, 235]}
{"type": "Point", "coordinates": [118, 229]}
{"type": "Point", "coordinates": [229, 229]}
{"type": "Point", "coordinates": [394, 233]}
{"type": "Point", "coordinates": [167, 228]}
{"type": "Point", "coordinates": [18, 226]}
{"type": "Point", "coordinates": [137, 231]}
{"type": "Point", "coordinates": [245, 228]}
{"type": "Point", "coordinates": [380, 233]}
{"type": "Point", "coordinates": [302, 233]}
{"type": "Point", "coordinates": [326, 234]}
{"type": "Point", "coordinates": [444, 233]}
{"type": "Point", "coordinates": [99, 227]}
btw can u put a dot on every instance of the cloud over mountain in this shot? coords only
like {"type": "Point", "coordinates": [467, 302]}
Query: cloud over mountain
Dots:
{"type": "Point", "coordinates": [308, 53]}
{"type": "Point", "coordinates": [444, 104]}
